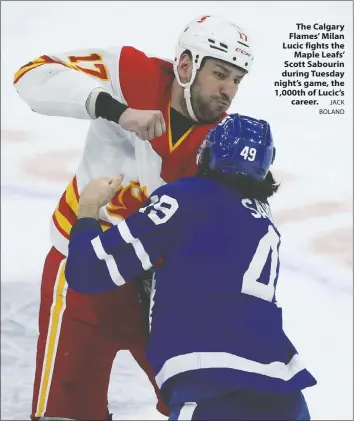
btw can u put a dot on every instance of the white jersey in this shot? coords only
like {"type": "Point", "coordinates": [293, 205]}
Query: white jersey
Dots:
{"type": "Point", "coordinates": [67, 85]}
{"type": "Point", "coordinates": [60, 85]}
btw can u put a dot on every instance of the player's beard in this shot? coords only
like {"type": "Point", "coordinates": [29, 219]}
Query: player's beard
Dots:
{"type": "Point", "coordinates": [207, 109]}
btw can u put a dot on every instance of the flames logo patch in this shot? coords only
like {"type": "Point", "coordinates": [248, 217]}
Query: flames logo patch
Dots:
{"type": "Point", "coordinates": [127, 200]}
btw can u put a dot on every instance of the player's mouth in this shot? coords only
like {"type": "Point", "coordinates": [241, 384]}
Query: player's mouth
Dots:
{"type": "Point", "coordinates": [223, 104]}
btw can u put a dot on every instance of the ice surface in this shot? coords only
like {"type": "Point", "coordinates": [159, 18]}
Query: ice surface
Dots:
{"type": "Point", "coordinates": [313, 207]}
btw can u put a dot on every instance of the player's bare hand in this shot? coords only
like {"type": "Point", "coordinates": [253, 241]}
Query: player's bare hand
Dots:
{"type": "Point", "coordinates": [97, 193]}
{"type": "Point", "coordinates": [147, 124]}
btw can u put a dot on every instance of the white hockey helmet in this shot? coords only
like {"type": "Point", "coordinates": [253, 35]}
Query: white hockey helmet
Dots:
{"type": "Point", "coordinates": [216, 37]}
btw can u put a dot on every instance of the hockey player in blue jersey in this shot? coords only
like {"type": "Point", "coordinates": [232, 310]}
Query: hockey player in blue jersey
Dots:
{"type": "Point", "coordinates": [216, 339]}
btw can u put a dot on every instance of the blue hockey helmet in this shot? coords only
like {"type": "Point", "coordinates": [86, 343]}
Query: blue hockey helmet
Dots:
{"type": "Point", "coordinates": [238, 145]}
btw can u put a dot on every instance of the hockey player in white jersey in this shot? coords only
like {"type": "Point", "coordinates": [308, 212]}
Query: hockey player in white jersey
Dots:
{"type": "Point", "coordinates": [147, 118]}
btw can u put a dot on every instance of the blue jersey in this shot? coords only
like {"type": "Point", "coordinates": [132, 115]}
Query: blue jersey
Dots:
{"type": "Point", "coordinates": [215, 324]}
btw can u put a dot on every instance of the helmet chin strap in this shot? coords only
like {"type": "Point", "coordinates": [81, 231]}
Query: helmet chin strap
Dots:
{"type": "Point", "coordinates": [188, 98]}
{"type": "Point", "coordinates": [187, 91]}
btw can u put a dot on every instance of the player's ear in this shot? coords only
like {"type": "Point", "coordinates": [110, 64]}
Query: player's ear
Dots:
{"type": "Point", "coordinates": [185, 67]}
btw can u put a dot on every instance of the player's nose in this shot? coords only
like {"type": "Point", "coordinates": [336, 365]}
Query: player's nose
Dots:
{"type": "Point", "coordinates": [228, 89]}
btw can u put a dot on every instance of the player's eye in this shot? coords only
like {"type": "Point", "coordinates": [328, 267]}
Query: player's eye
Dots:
{"type": "Point", "coordinates": [237, 81]}
{"type": "Point", "coordinates": [219, 75]}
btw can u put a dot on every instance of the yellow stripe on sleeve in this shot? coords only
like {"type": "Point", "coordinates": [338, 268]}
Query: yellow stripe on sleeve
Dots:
{"type": "Point", "coordinates": [64, 224]}
{"type": "Point", "coordinates": [71, 198]}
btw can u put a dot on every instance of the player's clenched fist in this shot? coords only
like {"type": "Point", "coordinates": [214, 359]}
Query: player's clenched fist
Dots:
{"type": "Point", "coordinates": [97, 193]}
{"type": "Point", "coordinates": [147, 124]}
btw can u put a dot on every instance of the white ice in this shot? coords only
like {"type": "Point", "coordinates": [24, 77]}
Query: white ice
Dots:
{"type": "Point", "coordinates": [314, 205]}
